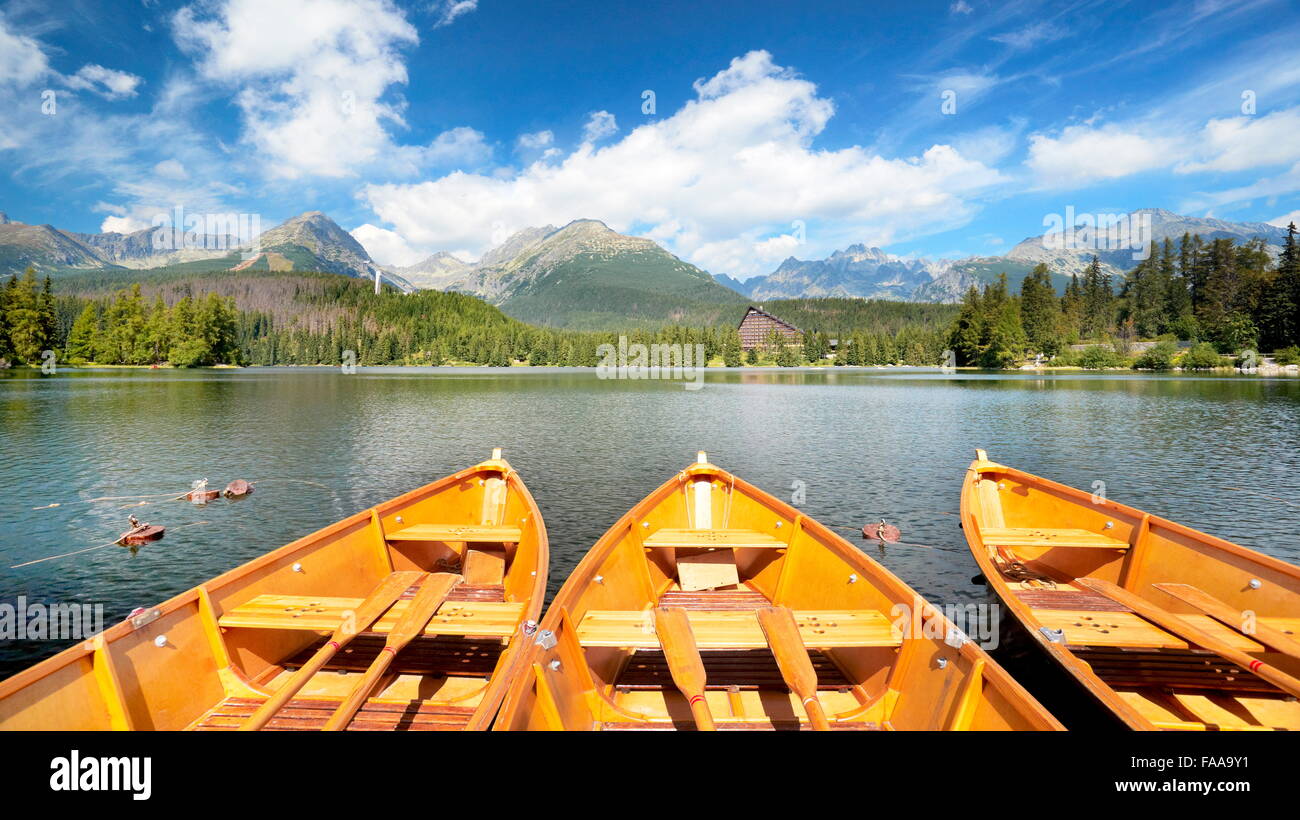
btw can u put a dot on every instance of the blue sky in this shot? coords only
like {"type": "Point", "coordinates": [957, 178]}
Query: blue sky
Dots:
{"type": "Point", "coordinates": [777, 129]}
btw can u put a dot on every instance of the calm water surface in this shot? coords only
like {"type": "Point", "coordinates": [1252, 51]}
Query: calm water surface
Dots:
{"type": "Point", "coordinates": [1219, 454]}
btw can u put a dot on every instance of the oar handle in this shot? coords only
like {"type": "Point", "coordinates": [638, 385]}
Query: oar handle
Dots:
{"type": "Point", "coordinates": [290, 688]}
{"type": "Point", "coordinates": [369, 611]}
{"type": "Point", "coordinates": [432, 593]}
{"type": "Point", "coordinates": [701, 712]}
{"type": "Point", "coordinates": [1192, 634]}
{"type": "Point", "coordinates": [360, 692]}
{"type": "Point", "coordinates": [816, 713]}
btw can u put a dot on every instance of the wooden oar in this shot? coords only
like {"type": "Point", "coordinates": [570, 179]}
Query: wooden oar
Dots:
{"type": "Point", "coordinates": [426, 602]}
{"type": "Point", "coordinates": [684, 662]}
{"type": "Point", "coordinates": [792, 657]}
{"type": "Point", "coordinates": [369, 611]}
{"type": "Point", "coordinates": [1176, 625]}
{"type": "Point", "coordinates": [1233, 618]}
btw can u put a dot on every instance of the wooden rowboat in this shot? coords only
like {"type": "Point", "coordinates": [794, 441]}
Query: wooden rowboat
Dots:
{"type": "Point", "coordinates": [1168, 627]}
{"type": "Point", "coordinates": [428, 595]}
{"type": "Point", "coordinates": [712, 604]}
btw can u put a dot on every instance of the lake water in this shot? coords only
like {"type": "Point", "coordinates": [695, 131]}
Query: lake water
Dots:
{"type": "Point", "coordinates": [1219, 454]}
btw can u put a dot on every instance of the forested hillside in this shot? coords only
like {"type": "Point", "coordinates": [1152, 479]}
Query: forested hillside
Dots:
{"type": "Point", "coordinates": [1230, 297]}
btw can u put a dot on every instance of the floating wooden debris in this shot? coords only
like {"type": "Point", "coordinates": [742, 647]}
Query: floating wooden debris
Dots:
{"type": "Point", "coordinates": [237, 489]}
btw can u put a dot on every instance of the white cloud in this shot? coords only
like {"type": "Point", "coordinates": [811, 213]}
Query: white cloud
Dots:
{"type": "Point", "coordinates": [21, 59]}
{"type": "Point", "coordinates": [123, 224]}
{"type": "Point", "coordinates": [106, 82]}
{"type": "Point", "coordinates": [387, 247]}
{"type": "Point", "coordinates": [601, 124]}
{"type": "Point", "coordinates": [171, 169]}
{"type": "Point", "coordinates": [448, 10]}
{"type": "Point", "coordinates": [1238, 143]}
{"type": "Point", "coordinates": [1286, 219]}
{"type": "Point", "coordinates": [1030, 35]}
{"type": "Point", "coordinates": [312, 76]}
{"type": "Point", "coordinates": [536, 141]}
{"type": "Point", "coordinates": [715, 181]}
{"type": "Point", "coordinates": [960, 7]}
{"type": "Point", "coordinates": [1082, 154]}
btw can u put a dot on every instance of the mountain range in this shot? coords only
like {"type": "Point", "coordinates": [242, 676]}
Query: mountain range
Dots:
{"type": "Point", "coordinates": [308, 242]}
{"type": "Point", "coordinates": [871, 273]}
{"type": "Point", "coordinates": [585, 275]}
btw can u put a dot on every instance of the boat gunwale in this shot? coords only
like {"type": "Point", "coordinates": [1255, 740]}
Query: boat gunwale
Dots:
{"type": "Point", "coordinates": [1075, 494]}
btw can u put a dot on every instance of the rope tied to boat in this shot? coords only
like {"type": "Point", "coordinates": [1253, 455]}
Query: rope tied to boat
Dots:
{"type": "Point", "coordinates": [1010, 565]}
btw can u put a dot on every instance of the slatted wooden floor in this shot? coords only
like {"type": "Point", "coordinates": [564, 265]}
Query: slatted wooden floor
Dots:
{"type": "Point", "coordinates": [442, 655]}
{"type": "Point", "coordinates": [1173, 669]}
{"type": "Point", "coordinates": [309, 714]}
{"type": "Point", "coordinates": [725, 668]}
{"type": "Point", "coordinates": [723, 726]}
{"type": "Point", "coordinates": [724, 600]}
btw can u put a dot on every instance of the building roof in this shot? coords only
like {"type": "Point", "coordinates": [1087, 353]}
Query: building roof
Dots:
{"type": "Point", "coordinates": [761, 312]}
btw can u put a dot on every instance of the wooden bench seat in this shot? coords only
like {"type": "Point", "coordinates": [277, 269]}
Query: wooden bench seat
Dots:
{"type": "Point", "coordinates": [740, 629]}
{"type": "Point", "coordinates": [324, 614]}
{"type": "Point", "coordinates": [1127, 629]}
{"type": "Point", "coordinates": [712, 539]}
{"type": "Point", "coordinates": [1048, 537]}
{"type": "Point", "coordinates": [465, 533]}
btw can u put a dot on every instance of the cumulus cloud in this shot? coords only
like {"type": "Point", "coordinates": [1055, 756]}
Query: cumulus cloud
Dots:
{"type": "Point", "coordinates": [313, 76]}
{"type": "Point", "coordinates": [960, 7]}
{"type": "Point", "coordinates": [387, 247]}
{"type": "Point", "coordinates": [106, 82]}
{"type": "Point", "coordinates": [1238, 143]}
{"type": "Point", "coordinates": [716, 181]}
{"type": "Point", "coordinates": [123, 224]}
{"type": "Point", "coordinates": [1083, 154]}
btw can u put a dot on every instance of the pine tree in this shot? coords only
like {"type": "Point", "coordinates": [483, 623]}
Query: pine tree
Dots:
{"type": "Point", "coordinates": [1098, 302]}
{"type": "Point", "coordinates": [1279, 309]}
{"type": "Point", "coordinates": [1040, 312]}
{"type": "Point", "coordinates": [26, 324]}
{"type": "Point", "coordinates": [81, 339]}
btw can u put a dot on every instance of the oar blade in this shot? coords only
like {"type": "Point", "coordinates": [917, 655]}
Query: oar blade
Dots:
{"type": "Point", "coordinates": [677, 641]}
{"type": "Point", "coordinates": [783, 638]}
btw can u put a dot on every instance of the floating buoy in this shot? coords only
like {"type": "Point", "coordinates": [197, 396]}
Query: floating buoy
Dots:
{"type": "Point", "coordinates": [238, 488]}
{"type": "Point", "coordinates": [883, 532]}
{"type": "Point", "coordinates": [141, 534]}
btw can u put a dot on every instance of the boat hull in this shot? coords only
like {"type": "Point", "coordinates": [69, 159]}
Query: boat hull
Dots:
{"type": "Point", "coordinates": [1060, 559]}
{"type": "Point", "coordinates": [602, 660]}
{"type": "Point", "coordinates": [199, 659]}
